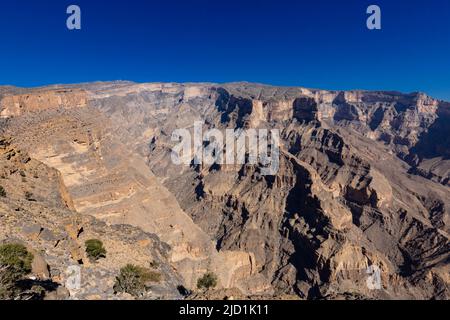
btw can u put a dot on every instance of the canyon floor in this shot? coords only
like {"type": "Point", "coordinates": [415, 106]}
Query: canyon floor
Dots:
{"type": "Point", "coordinates": [363, 182]}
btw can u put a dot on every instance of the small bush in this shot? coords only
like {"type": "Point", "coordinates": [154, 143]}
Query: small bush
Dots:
{"type": "Point", "coordinates": [134, 279]}
{"type": "Point", "coordinates": [95, 249]}
{"type": "Point", "coordinates": [2, 192]}
{"type": "Point", "coordinates": [15, 264]}
{"type": "Point", "coordinates": [17, 257]}
{"type": "Point", "coordinates": [208, 281]}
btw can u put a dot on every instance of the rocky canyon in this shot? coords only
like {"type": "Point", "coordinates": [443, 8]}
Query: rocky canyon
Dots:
{"type": "Point", "coordinates": [363, 181]}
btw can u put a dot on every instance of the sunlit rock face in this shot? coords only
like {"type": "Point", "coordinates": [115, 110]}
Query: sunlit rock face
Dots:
{"type": "Point", "coordinates": [363, 180]}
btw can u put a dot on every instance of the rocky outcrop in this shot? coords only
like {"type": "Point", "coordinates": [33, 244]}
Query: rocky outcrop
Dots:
{"type": "Point", "coordinates": [35, 101]}
{"type": "Point", "coordinates": [55, 234]}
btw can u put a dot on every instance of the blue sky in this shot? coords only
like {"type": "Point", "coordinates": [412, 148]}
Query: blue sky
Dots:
{"type": "Point", "coordinates": [321, 43]}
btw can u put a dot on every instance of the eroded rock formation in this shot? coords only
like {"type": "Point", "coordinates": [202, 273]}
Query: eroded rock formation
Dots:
{"type": "Point", "coordinates": [363, 181]}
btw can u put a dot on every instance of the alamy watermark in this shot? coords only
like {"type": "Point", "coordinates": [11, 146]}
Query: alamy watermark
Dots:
{"type": "Point", "coordinates": [73, 22]}
{"type": "Point", "coordinates": [373, 280]}
{"type": "Point", "coordinates": [73, 281]}
{"type": "Point", "coordinates": [374, 20]}
{"type": "Point", "coordinates": [250, 146]}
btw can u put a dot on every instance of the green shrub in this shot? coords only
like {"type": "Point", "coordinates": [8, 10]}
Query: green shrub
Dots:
{"type": "Point", "coordinates": [95, 249]}
{"type": "Point", "coordinates": [15, 264]}
{"type": "Point", "coordinates": [17, 257]}
{"type": "Point", "coordinates": [2, 192]}
{"type": "Point", "coordinates": [134, 279]}
{"type": "Point", "coordinates": [208, 281]}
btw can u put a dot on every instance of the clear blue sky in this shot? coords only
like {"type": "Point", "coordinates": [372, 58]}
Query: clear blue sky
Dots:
{"type": "Point", "coordinates": [316, 43]}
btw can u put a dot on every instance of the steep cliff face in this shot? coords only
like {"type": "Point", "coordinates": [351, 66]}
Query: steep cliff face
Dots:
{"type": "Point", "coordinates": [37, 211]}
{"type": "Point", "coordinates": [18, 104]}
{"type": "Point", "coordinates": [108, 180]}
{"type": "Point", "coordinates": [363, 181]}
